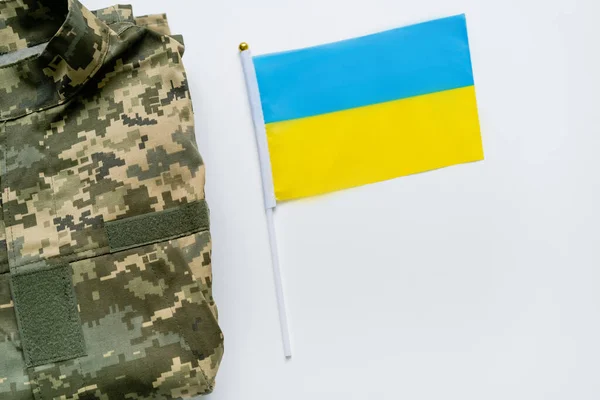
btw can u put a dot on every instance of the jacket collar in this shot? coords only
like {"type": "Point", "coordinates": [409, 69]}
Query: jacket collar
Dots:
{"type": "Point", "coordinates": [77, 42]}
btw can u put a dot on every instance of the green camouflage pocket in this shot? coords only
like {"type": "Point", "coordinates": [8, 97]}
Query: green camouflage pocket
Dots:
{"type": "Point", "coordinates": [149, 323]}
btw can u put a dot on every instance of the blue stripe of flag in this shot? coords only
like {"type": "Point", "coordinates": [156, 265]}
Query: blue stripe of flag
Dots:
{"type": "Point", "coordinates": [405, 62]}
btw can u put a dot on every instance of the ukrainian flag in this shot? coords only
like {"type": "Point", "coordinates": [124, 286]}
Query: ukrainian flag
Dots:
{"type": "Point", "coordinates": [369, 109]}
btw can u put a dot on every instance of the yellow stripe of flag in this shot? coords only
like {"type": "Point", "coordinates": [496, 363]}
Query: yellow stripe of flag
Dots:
{"type": "Point", "coordinates": [328, 152]}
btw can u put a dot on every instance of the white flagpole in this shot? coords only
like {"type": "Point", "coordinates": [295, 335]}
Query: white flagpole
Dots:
{"type": "Point", "coordinates": [268, 188]}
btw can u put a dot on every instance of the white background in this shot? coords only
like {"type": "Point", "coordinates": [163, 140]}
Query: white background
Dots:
{"type": "Point", "coordinates": [474, 282]}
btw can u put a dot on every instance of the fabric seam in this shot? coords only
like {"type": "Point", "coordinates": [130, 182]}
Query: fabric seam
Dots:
{"type": "Point", "coordinates": [21, 59]}
{"type": "Point", "coordinates": [124, 28]}
{"type": "Point", "coordinates": [59, 258]}
{"type": "Point", "coordinates": [105, 249]}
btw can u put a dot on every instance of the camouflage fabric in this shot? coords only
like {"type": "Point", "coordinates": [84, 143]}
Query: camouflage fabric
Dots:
{"type": "Point", "coordinates": [96, 125]}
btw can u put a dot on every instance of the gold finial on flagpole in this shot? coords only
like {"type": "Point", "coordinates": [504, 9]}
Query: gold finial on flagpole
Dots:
{"type": "Point", "coordinates": [244, 46]}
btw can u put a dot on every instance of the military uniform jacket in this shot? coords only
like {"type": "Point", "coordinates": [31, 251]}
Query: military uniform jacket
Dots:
{"type": "Point", "coordinates": [105, 251]}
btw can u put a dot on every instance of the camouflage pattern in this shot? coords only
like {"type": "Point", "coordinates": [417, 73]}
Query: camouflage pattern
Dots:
{"type": "Point", "coordinates": [96, 128]}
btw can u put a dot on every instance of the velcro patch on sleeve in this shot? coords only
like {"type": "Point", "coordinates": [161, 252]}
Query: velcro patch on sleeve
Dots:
{"type": "Point", "coordinates": [127, 233]}
{"type": "Point", "coordinates": [47, 315]}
